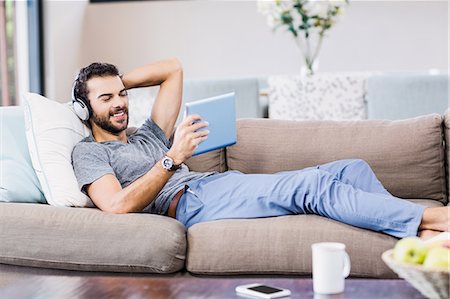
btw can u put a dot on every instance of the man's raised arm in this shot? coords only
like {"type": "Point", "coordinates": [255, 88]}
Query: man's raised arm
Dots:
{"type": "Point", "coordinates": [169, 75]}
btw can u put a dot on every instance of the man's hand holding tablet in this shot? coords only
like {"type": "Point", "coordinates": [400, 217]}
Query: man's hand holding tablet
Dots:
{"type": "Point", "coordinates": [220, 113]}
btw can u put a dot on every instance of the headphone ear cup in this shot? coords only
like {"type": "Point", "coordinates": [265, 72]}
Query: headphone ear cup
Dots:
{"type": "Point", "coordinates": [81, 110]}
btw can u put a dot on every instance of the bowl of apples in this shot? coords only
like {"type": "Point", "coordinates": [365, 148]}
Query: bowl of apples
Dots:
{"type": "Point", "coordinates": [424, 264]}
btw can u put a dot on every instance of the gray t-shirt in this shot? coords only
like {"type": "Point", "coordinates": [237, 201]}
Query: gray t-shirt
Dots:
{"type": "Point", "coordinates": [91, 160]}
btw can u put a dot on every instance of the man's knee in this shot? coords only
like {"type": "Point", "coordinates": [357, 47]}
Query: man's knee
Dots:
{"type": "Point", "coordinates": [316, 179]}
{"type": "Point", "coordinates": [360, 163]}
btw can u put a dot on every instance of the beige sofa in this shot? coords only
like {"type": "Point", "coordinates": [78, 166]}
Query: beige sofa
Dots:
{"type": "Point", "coordinates": [408, 156]}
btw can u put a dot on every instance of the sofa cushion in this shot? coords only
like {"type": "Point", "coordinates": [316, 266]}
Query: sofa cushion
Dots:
{"type": "Point", "coordinates": [447, 149]}
{"type": "Point", "coordinates": [282, 245]}
{"type": "Point", "coordinates": [18, 181]}
{"type": "Point", "coordinates": [210, 161]}
{"type": "Point", "coordinates": [89, 240]}
{"type": "Point", "coordinates": [52, 130]}
{"type": "Point", "coordinates": [406, 155]}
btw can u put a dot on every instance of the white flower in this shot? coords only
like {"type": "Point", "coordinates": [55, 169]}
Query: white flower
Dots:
{"type": "Point", "coordinates": [266, 7]}
{"type": "Point", "coordinates": [337, 2]}
{"type": "Point", "coordinates": [319, 8]}
{"type": "Point", "coordinates": [285, 5]}
{"type": "Point", "coordinates": [271, 21]}
{"type": "Point", "coordinates": [327, 12]}
{"type": "Point", "coordinates": [296, 19]}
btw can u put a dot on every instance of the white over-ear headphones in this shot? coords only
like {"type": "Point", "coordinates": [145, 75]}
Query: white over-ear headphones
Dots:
{"type": "Point", "coordinates": [81, 108]}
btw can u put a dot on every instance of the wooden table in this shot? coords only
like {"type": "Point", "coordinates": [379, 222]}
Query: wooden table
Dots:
{"type": "Point", "coordinates": [24, 283]}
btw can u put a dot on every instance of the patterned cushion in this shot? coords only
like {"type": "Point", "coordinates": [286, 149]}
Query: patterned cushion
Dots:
{"type": "Point", "coordinates": [322, 96]}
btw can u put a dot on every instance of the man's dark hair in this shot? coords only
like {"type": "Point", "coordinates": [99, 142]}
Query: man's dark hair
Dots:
{"type": "Point", "coordinates": [96, 69]}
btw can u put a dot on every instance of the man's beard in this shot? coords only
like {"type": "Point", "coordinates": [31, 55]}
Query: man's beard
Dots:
{"type": "Point", "coordinates": [105, 123]}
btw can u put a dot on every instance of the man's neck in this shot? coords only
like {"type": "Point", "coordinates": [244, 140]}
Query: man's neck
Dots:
{"type": "Point", "coordinates": [102, 135]}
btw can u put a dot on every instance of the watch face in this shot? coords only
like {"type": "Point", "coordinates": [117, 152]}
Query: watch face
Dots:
{"type": "Point", "coordinates": [167, 163]}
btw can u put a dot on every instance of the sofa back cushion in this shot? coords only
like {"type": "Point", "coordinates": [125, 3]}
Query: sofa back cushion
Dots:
{"type": "Point", "coordinates": [447, 149]}
{"type": "Point", "coordinates": [406, 155]}
{"type": "Point", "coordinates": [210, 161]}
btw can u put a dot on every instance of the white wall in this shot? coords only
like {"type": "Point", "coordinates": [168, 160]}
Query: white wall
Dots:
{"type": "Point", "coordinates": [230, 39]}
{"type": "Point", "coordinates": [63, 31]}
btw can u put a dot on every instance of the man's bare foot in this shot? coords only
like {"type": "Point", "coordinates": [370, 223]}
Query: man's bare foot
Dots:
{"type": "Point", "coordinates": [437, 219]}
{"type": "Point", "coordinates": [428, 234]}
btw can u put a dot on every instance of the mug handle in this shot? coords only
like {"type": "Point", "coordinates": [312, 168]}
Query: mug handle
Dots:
{"type": "Point", "coordinates": [347, 267]}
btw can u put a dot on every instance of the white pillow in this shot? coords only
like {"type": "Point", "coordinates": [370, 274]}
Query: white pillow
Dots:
{"type": "Point", "coordinates": [52, 130]}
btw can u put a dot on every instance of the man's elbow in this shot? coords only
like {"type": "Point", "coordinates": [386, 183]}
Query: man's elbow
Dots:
{"type": "Point", "coordinates": [124, 209]}
{"type": "Point", "coordinates": [114, 209]}
{"type": "Point", "coordinates": [118, 208]}
{"type": "Point", "coordinates": [176, 65]}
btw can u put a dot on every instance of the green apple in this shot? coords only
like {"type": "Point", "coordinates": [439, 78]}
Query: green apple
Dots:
{"type": "Point", "coordinates": [438, 257]}
{"type": "Point", "coordinates": [411, 250]}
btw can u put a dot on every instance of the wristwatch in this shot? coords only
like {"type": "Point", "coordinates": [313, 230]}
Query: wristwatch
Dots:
{"type": "Point", "coordinates": [168, 164]}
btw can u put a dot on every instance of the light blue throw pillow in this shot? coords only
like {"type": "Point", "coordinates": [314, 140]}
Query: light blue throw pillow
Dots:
{"type": "Point", "coordinates": [18, 181]}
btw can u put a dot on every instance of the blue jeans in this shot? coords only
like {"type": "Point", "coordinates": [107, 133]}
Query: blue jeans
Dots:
{"type": "Point", "coordinates": [345, 190]}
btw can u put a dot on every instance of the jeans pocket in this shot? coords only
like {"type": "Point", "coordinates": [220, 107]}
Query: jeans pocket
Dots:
{"type": "Point", "coordinates": [191, 207]}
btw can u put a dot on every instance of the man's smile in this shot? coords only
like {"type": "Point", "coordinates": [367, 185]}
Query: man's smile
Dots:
{"type": "Point", "coordinates": [119, 115]}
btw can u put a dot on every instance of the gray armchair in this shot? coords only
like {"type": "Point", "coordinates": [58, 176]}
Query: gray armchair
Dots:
{"type": "Point", "coordinates": [400, 96]}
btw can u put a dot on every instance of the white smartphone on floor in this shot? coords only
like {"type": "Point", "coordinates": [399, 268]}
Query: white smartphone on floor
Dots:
{"type": "Point", "coordinates": [257, 290]}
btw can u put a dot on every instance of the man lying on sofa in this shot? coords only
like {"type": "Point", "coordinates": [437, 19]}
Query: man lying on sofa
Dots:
{"type": "Point", "coordinates": [145, 171]}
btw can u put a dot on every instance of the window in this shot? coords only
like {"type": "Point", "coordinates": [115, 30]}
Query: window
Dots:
{"type": "Point", "coordinates": [21, 57]}
{"type": "Point", "coordinates": [7, 54]}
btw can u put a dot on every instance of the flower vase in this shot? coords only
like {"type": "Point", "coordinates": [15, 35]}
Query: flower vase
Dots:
{"type": "Point", "coordinates": [309, 50]}
{"type": "Point", "coordinates": [309, 69]}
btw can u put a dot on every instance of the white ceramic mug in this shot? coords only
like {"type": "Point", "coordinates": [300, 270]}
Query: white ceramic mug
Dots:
{"type": "Point", "coordinates": [331, 265]}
